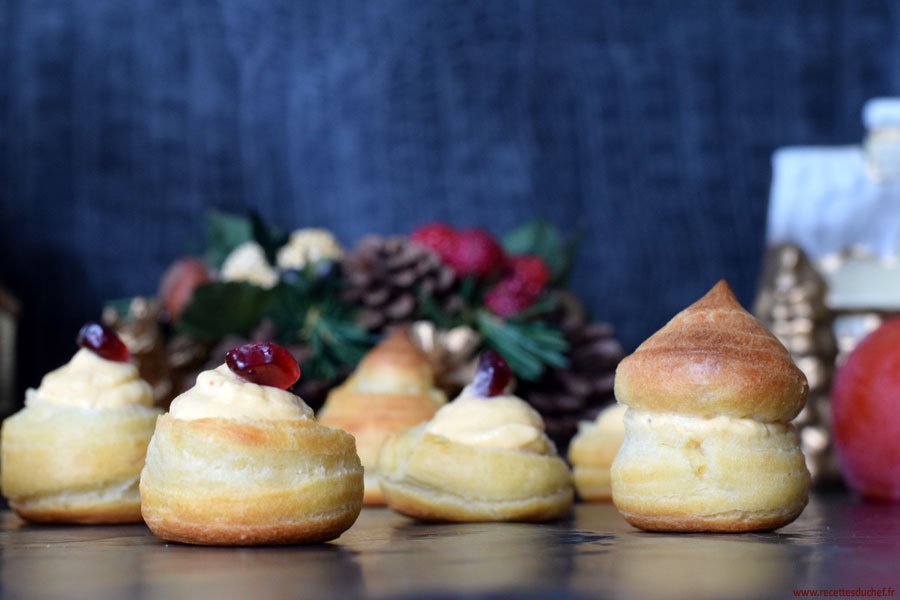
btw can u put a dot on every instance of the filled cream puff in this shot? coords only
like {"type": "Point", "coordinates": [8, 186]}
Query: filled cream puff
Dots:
{"type": "Point", "coordinates": [239, 460]}
{"type": "Point", "coordinates": [75, 452]}
{"type": "Point", "coordinates": [483, 457]}
{"type": "Point", "coordinates": [592, 451]}
{"type": "Point", "coordinates": [708, 441]}
{"type": "Point", "coordinates": [391, 390]}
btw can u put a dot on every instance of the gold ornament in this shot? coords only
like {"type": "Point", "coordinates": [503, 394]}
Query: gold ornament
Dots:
{"type": "Point", "coordinates": [140, 331]}
{"type": "Point", "coordinates": [791, 303]}
{"type": "Point", "coordinates": [452, 353]}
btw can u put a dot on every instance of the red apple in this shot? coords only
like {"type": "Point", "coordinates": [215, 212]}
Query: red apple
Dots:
{"type": "Point", "coordinates": [178, 282]}
{"type": "Point", "coordinates": [865, 404]}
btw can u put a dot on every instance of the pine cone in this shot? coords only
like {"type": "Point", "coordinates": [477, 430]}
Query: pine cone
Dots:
{"type": "Point", "coordinates": [388, 276]}
{"type": "Point", "coordinates": [579, 392]}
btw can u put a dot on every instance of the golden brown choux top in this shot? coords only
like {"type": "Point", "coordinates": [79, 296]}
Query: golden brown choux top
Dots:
{"type": "Point", "coordinates": [395, 365]}
{"type": "Point", "coordinates": [713, 359]}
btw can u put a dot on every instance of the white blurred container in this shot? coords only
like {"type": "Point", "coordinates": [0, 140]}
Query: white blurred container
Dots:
{"type": "Point", "coordinates": [841, 206]}
{"type": "Point", "coordinates": [881, 116]}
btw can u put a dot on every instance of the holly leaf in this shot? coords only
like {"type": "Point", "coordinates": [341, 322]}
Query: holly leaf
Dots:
{"type": "Point", "coordinates": [224, 233]}
{"type": "Point", "coordinates": [334, 342]}
{"type": "Point", "coordinates": [542, 239]}
{"type": "Point", "coordinates": [434, 312]}
{"type": "Point", "coordinates": [528, 347]}
{"type": "Point", "coordinates": [222, 308]}
{"type": "Point", "coordinates": [270, 237]}
{"type": "Point", "coordinates": [306, 308]}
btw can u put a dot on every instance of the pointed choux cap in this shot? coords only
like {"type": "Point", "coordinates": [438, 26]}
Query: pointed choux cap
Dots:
{"type": "Point", "coordinates": [398, 363]}
{"type": "Point", "coordinates": [392, 388]}
{"type": "Point", "coordinates": [713, 358]}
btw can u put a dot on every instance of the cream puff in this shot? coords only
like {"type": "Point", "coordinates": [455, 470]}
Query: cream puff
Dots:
{"type": "Point", "coordinates": [75, 452]}
{"type": "Point", "coordinates": [592, 451]}
{"type": "Point", "coordinates": [483, 457]}
{"type": "Point", "coordinates": [239, 460]}
{"type": "Point", "coordinates": [391, 390]}
{"type": "Point", "coordinates": [708, 441]}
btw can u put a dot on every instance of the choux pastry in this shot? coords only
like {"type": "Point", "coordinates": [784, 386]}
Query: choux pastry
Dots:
{"type": "Point", "coordinates": [708, 441]}
{"type": "Point", "coordinates": [239, 460]}
{"type": "Point", "coordinates": [483, 457]}
{"type": "Point", "coordinates": [391, 390]}
{"type": "Point", "coordinates": [75, 452]}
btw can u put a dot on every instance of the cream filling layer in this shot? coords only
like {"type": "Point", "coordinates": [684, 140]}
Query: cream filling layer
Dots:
{"type": "Point", "coordinates": [688, 425]}
{"type": "Point", "coordinates": [219, 393]}
{"type": "Point", "coordinates": [496, 422]}
{"type": "Point", "coordinates": [90, 381]}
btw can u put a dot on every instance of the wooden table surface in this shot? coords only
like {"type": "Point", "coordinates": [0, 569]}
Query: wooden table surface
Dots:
{"type": "Point", "coordinates": [838, 542]}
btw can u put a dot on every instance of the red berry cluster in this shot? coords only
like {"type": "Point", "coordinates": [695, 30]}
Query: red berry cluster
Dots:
{"type": "Point", "coordinates": [520, 288]}
{"type": "Point", "coordinates": [468, 251]}
{"type": "Point", "coordinates": [475, 252]}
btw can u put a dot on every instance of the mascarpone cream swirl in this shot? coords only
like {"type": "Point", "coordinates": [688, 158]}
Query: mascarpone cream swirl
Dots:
{"type": "Point", "coordinates": [91, 381]}
{"type": "Point", "coordinates": [504, 421]}
{"type": "Point", "coordinates": [221, 394]}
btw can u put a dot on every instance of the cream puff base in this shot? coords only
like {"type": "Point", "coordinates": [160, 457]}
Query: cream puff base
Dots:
{"type": "Point", "coordinates": [63, 464]}
{"type": "Point", "coordinates": [432, 478]}
{"type": "Point", "coordinates": [218, 481]}
{"type": "Point", "coordinates": [683, 473]}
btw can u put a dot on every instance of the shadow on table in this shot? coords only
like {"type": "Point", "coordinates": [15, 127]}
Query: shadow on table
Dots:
{"type": "Point", "coordinates": [484, 559]}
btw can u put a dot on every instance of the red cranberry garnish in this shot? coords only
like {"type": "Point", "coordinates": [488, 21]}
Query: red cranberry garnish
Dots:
{"type": "Point", "coordinates": [103, 342]}
{"type": "Point", "coordinates": [493, 375]}
{"type": "Point", "coordinates": [264, 363]}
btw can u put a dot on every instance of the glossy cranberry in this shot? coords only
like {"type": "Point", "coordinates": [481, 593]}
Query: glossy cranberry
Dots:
{"type": "Point", "coordinates": [493, 375]}
{"type": "Point", "coordinates": [103, 342]}
{"type": "Point", "coordinates": [264, 363]}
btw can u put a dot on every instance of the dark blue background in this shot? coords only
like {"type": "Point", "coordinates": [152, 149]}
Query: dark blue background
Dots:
{"type": "Point", "coordinates": [649, 124]}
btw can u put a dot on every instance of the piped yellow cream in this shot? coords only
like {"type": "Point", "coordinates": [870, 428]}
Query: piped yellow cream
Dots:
{"type": "Point", "coordinates": [90, 381]}
{"type": "Point", "coordinates": [504, 421]}
{"type": "Point", "coordinates": [221, 394]}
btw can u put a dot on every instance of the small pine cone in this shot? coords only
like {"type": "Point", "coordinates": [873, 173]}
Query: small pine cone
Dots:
{"type": "Point", "coordinates": [388, 276]}
{"type": "Point", "coordinates": [579, 392]}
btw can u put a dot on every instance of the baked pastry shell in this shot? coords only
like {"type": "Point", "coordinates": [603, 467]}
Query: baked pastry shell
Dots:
{"type": "Point", "coordinates": [716, 475]}
{"type": "Point", "coordinates": [713, 358]}
{"type": "Point", "coordinates": [371, 418]}
{"type": "Point", "coordinates": [591, 453]}
{"type": "Point", "coordinates": [229, 482]}
{"type": "Point", "coordinates": [432, 478]}
{"type": "Point", "coordinates": [64, 464]}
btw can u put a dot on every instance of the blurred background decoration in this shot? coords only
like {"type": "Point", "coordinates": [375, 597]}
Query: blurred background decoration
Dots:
{"type": "Point", "coordinates": [458, 290]}
{"type": "Point", "coordinates": [831, 273]}
{"type": "Point", "coordinates": [9, 317]}
{"type": "Point", "coordinates": [647, 132]}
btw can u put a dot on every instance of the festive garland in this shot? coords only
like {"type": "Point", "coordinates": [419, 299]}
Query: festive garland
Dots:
{"type": "Point", "coordinates": [330, 306]}
{"type": "Point", "coordinates": [505, 290]}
